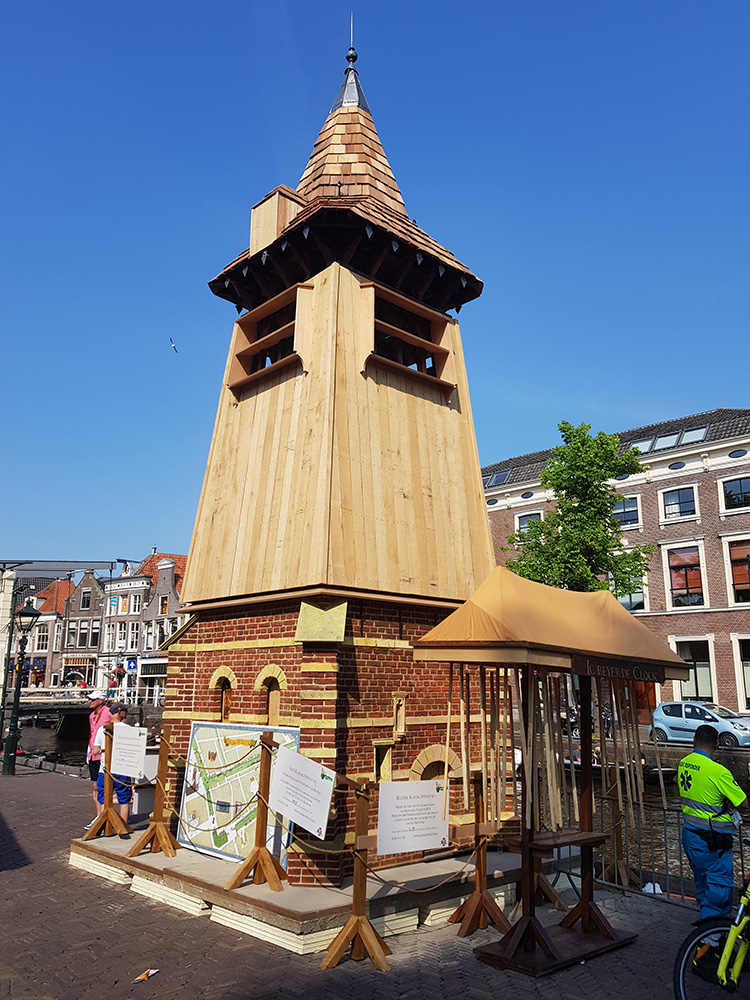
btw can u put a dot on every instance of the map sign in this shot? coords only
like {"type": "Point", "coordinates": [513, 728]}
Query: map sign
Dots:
{"type": "Point", "coordinates": [219, 804]}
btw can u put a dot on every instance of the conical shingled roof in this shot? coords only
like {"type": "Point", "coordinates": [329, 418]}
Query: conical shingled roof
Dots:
{"type": "Point", "coordinates": [348, 160]}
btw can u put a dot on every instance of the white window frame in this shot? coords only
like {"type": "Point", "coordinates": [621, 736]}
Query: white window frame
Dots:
{"type": "Point", "coordinates": [735, 536]}
{"type": "Point", "coordinates": [109, 637]}
{"type": "Point", "coordinates": [135, 604]}
{"type": "Point", "coordinates": [87, 605]}
{"type": "Point", "coordinates": [708, 637]}
{"type": "Point", "coordinates": [723, 509]}
{"type": "Point", "coordinates": [41, 632]}
{"type": "Point", "coordinates": [685, 543]}
{"type": "Point", "coordinates": [663, 519]}
{"type": "Point", "coordinates": [122, 635]}
{"type": "Point", "coordinates": [639, 523]}
{"type": "Point", "coordinates": [735, 638]}
{"type": "Point", "coordinates": [133, 634]}
{"type": "Point", "coordinates": [95, 626]}
{"type": "Point", "coordinates": [57, 641]}
{"type": "Point", "coordinates": [525, 513]}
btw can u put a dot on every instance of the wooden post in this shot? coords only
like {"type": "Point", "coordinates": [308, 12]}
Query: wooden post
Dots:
{"type": "Point", "coordinates": [260, 862]}
{"type": "Point", "coordinates": [475, 909]}
{"type": "Point", "coordinates": [109, 820]}
{"type": "Point", "coordinates": [358, 931]}
{"type": "Point", "coordinates": [158, 834]}
{"type": "Point", "coordinates": [447, 739]}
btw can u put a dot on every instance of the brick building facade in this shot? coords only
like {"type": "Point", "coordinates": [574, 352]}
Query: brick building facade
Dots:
{"type": "Point", "coordinates": [692, 502]}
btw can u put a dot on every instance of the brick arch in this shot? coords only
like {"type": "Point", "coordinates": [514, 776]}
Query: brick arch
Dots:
{"type": "Point", "coordinates": [270, 672]}
{"type": "Point", "coordinates": [220, 674]}
{"type": "Point", "coordinates": [431, 754]}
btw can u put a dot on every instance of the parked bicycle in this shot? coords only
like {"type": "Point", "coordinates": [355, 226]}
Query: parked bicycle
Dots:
{"type": "Point", "coordinates": [712, 957]}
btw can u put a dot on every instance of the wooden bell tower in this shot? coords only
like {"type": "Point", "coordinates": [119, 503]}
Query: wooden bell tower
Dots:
{"type": "Point", "coordinates": [342, 511]}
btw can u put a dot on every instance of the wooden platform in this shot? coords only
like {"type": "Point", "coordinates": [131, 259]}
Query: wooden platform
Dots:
{"type": "Point", "coordinates": [570, 946]}
{"type": "Point", "coordinates": [302, 919]}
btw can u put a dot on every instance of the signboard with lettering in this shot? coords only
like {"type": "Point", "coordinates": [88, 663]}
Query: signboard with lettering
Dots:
{"type": "Point", "coordinates": [410, 816]}
{"type": "Point", "coordinates": [301, 791]}
{"type": "Point", "coordinates": [128, 750]}
{"type": "Point", "coordinates": [648, 673]}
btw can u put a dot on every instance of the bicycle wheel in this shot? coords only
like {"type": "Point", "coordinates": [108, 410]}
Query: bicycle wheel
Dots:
{"type": "Point", "coordinates": [687, 984]}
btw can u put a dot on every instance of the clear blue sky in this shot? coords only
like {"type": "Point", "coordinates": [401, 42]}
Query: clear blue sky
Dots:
{"type": "Point", "coordinates": [588, 159]}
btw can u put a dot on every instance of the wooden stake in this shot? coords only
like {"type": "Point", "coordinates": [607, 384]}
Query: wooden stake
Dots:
{"type": "Point", "coordinates": [483, 725]}
{"type": "Point", "coordinates": [507, 721]}
{"type": "Point", "coordinates": [463, 682]}
{"type": "Point", "coordinates": [657, 751]}
{"type": "Point", "coordinates": [571, 756]}
{"type": "Point", "coordinates": [447, 738]}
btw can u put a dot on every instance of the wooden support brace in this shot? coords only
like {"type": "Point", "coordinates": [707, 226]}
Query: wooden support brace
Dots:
{"type": "Point", "coordinates": [158, 835]}
{"type": "Point", "coordinates": [358, 932]}
{"type": "Point", "coordinates": [109, 822]}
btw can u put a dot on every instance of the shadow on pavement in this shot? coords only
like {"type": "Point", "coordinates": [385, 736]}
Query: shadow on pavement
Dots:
{"type": "Point", "coordinates": [12, 855]}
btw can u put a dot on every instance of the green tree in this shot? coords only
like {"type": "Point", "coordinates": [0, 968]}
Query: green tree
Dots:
{"type": "Point", "coordinates": [578, 545]}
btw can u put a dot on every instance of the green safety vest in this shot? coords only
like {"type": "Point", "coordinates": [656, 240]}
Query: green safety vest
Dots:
{"type": "Point", "coordinates": [705, 787]}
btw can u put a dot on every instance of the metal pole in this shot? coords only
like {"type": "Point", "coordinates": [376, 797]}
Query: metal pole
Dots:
{"type": "Point", "coordinates": [14, 730]}
{"type": "Point", "coordinates": [17, 589]}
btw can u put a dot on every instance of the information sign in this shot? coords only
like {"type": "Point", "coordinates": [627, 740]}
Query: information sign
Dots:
{"type": "Point", "coordinates": [301, 791]}
{"type": "Point", "coordinates": [410, 816]}
{"type": "Point", "coordinates": [128, 750]}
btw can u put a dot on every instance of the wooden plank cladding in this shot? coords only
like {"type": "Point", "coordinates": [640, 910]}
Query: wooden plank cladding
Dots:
{"type": "Point", "coordinates": [337, 471]}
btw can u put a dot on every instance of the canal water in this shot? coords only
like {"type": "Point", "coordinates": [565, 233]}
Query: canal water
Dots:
{"type": "Point", "coordinates": [46, 741]}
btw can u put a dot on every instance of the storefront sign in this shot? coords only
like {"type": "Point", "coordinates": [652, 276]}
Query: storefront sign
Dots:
{"type": "Point", "coordinates": [647, 673]}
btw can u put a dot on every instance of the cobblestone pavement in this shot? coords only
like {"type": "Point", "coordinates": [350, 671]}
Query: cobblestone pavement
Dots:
{"type": "Point", "coordinates": [68, 935]}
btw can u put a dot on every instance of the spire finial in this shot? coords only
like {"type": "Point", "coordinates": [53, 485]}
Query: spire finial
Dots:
{"type": "Point", "coordinates": [351, 55]}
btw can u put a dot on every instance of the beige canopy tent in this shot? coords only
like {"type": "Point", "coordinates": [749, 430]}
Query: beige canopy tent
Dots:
{"type": "Point", "coordinates": [542, 634]}
{"type": "Point", "coordinates": [531, 622]}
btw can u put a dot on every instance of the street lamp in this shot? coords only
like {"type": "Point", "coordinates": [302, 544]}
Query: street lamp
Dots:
{"type": "Point", "coordinates": [25, 620]}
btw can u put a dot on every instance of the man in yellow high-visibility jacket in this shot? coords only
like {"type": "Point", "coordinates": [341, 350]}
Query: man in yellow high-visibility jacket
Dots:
{"type": "Point", "coordinates": [710, 796]}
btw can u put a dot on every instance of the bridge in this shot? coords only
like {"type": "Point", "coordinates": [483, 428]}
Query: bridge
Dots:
{"type": "Point", "coordinates": [65, 708]}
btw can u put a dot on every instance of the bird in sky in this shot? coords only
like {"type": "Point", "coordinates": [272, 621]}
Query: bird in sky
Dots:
{"type": "Point", "coordinates": [173, 346]}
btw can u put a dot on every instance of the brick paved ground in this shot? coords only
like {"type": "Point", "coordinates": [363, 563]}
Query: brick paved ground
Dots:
{"type": "Point", "coordinates": [67, 935]}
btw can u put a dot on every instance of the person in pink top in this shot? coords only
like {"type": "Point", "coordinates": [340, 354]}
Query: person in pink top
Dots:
{"type": "Point", "coordinates": [100, 715]}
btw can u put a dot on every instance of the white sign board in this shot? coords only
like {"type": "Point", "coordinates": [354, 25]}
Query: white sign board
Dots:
{"type": "Point", "coordinates": [410, 816]}
{"type": "Point", "coordinates": [301, 791]}
{"type": "Point", "coordinates": [128, 750]}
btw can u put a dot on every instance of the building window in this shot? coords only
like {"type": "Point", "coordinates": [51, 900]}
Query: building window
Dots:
{"type": "Point", "coordinates": [627, 512]}
{"type": "Point", "coordinates": [124, 605]}
{"type": "Point", "coordinates": [85, 600]}
{"type": "Point", "coordinates": [42, 638]}
{"type": "Point", "coordinates": [109, 637]}
{"type": "Point", "coordinates": [70, 638]}
{"type": "Point", "coordinates": [58, 636]}
{"type": "Point", "coordinates": [83, 633]}
{"type": "Point", "coordinates": [113, 606]}
{"type": "Point", "coordinates": [679, 503]}
{"type": "Point", "coordinates": [523, 520]}
{"type": "Point", "coordinates": [264, 337]}
{"type": "Point", "coordinates": [161, 632]}
{"type": "Point", "coordinates": [666, 441]}
{"type": "Point", "coordinates": [496, 479]}
{"type": "Point", "coordinates": [736, 493]}
{"type": "Point", "coordinates": [696, 654]}
{"type": "Point", "coordinates": [122, 634]}
{"type": "Point", "coordinates": [635, 601]}
{"type": "Point", "coordinates": [273, 701]}
{"type": "Point", "coordinates": [739, 559]}
{"type": "Point", "coordinates": [148, 639]}
{"type": "Point", "coordinates": [94, 637]}
{"type": "Point", "coordinates": [163, 605]}
{"type": "Point", "coordinates": [644, 445]}
{"type": "Point", "coordinates": [686, 584]}
{"type": "Point", "coordinates": [744, 648]}
{"type": "Point", "coordinates": [693, 435]}
{"type": "Point", "coordinates": [225, 698]}
{"type": "Point", "coordinates": [135, 604]}
{"type": "Point", "coordinates": [133, 634]}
